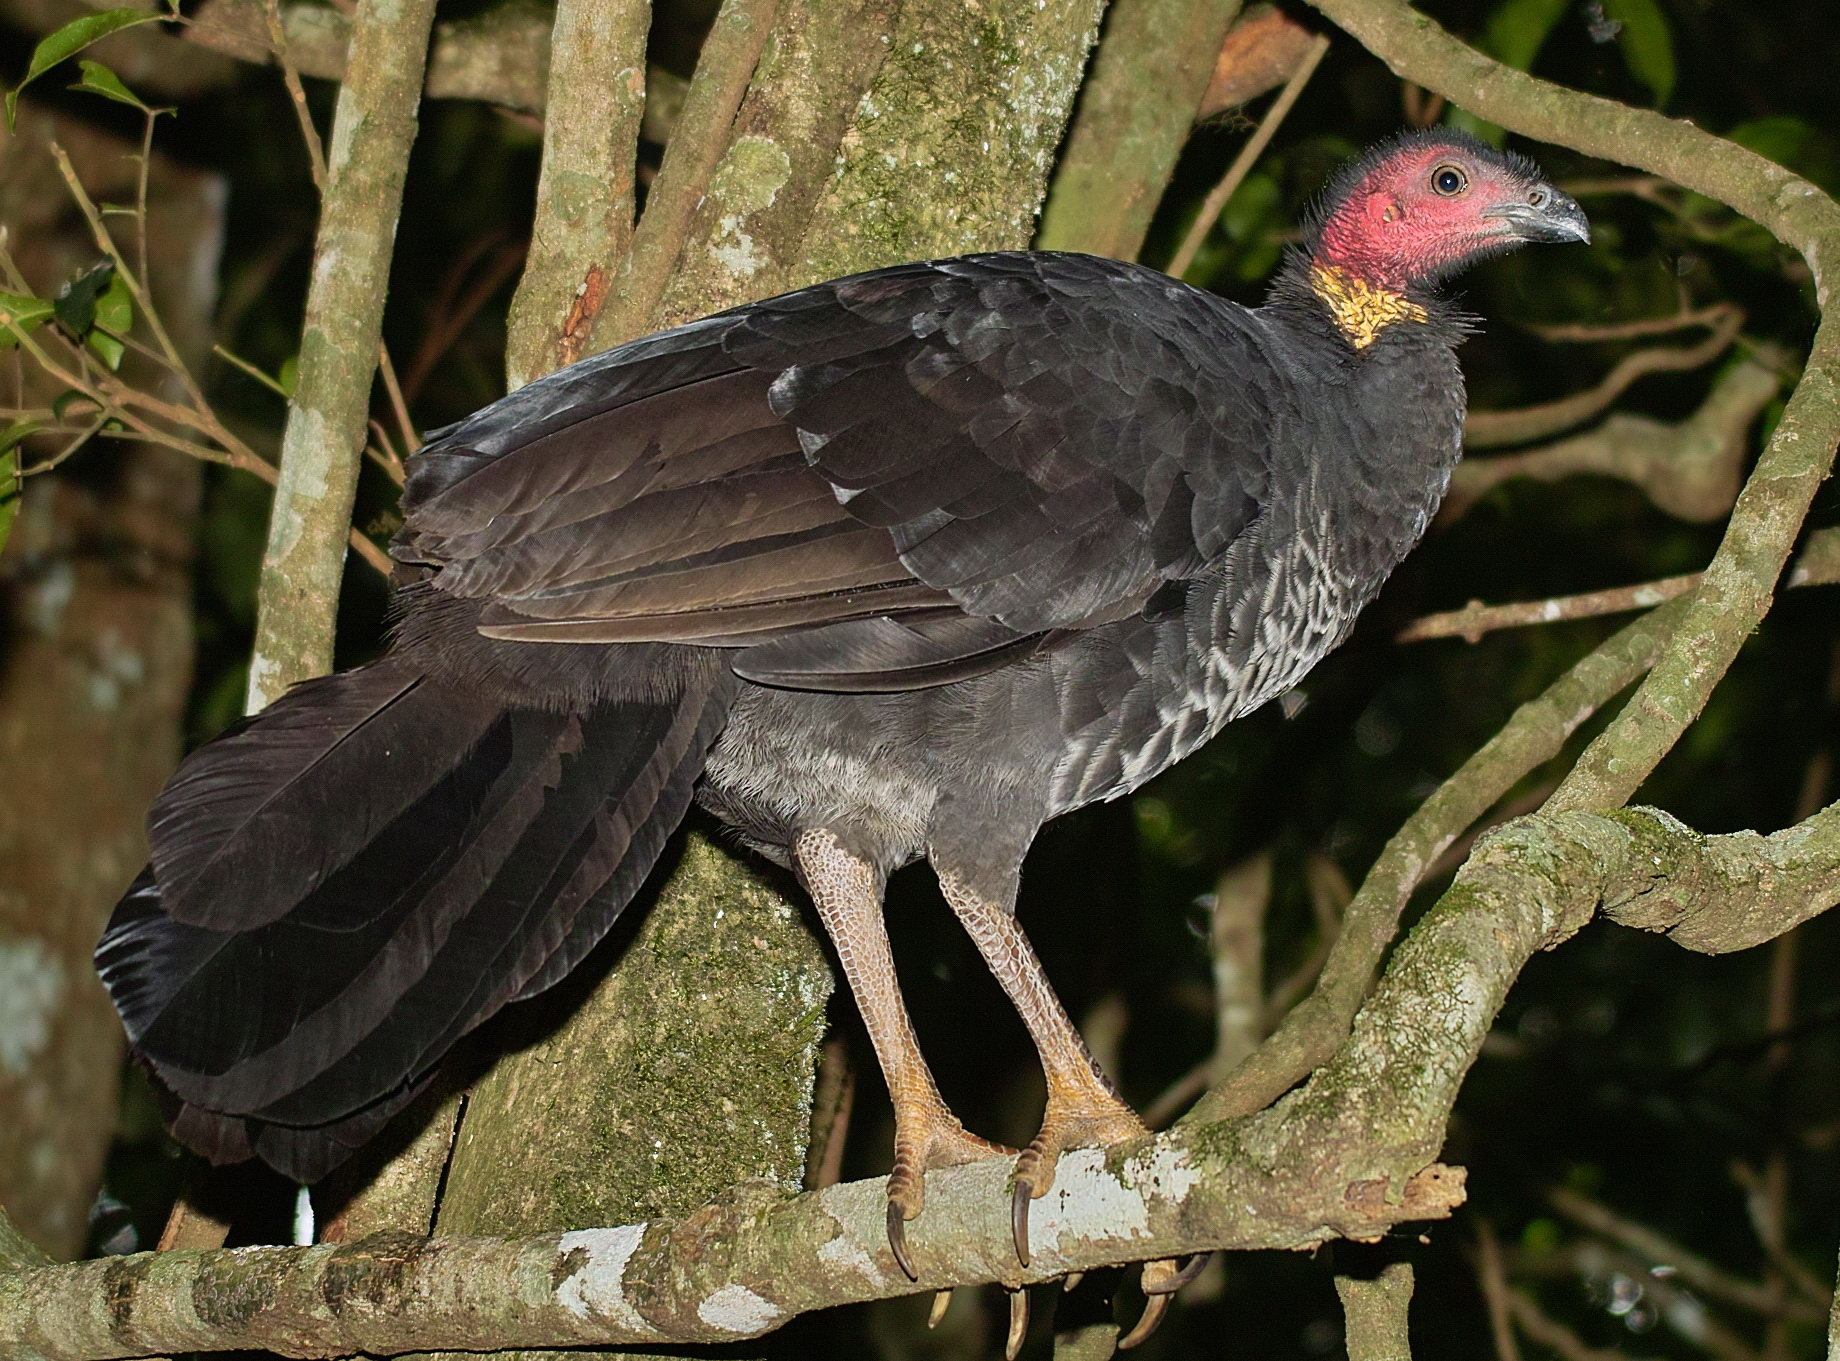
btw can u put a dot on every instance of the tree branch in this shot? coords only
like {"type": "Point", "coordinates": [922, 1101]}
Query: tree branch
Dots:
{"type": "Point", "coordinates": [732, 1270]}
{"type": "Point", "coordinates": [1135, 113]}
{"type": "Point", "coordinates": [1492, 429]}
{"type": "Point", "coordinates": [586, 190]}
{"type": "Point", "coordinates": [1375, 1308]}
{"type": "Point", "coordinates": [372, 130]}
{"type": "Point", "coordinates": [1536, 733]}
{"type": "Point", "coordinates": [1690, 469]}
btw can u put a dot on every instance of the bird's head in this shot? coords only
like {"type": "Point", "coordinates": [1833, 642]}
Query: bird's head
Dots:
{"type": "Point", "coordinates": [1417, 208]}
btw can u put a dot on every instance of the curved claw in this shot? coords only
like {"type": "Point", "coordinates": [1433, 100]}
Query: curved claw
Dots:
{"type": "Point", "coordinates": [1160, 1282]}
{"type": "Point", "coordinates": [1155, 1306]}
{"type": "Point", "coordinates": [942, 1300]}
{"type": "Point", "coordinates": [1019, 1199]}
{"type": "Point", "coordinates": [1177, 1279]}
{"type": "Point", "coordinates": [1018, 1323]}
{"type": "Point", "coordinates": [897, 1241]}
{"type": "Point", "coordinates": [1071, 1281]}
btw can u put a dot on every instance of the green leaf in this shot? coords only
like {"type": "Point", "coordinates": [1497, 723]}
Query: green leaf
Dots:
{"type": "Point", "coordinates": [289, 374]}
{"type": "Point", "coordinates": [71, 39]}
{"type": "Point", "coordinates": [1647, 44]}
{"type": "Point", "coordinates": [115, 308]}
{"type": "Point", "coordinates": [13, 434]}
{"type": "Point", "coordinates": [99, 80]}
{"type": "Point", "coordinates": [9, 484]}
{"type": "Point", "coordinates": [1518, 29]}
{"type": "Point", "coordinates": [76, 301]}
{"type": "Point", "coordinates": [24, 312]}
{"type": "Point", "coordinates": [106, 346]}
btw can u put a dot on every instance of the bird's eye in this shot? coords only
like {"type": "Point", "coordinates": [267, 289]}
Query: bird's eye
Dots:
{"type": "Point", "coordinates": [1449, 180]}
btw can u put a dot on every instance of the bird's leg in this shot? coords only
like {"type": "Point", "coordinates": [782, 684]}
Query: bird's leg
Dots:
{"type": "Point", "coordinates": [847, 892]}
{"type": "Point", "coordinates": [1083, 1108]}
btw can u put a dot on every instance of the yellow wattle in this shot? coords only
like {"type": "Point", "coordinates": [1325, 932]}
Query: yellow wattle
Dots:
{"type": "Point", "coordinates": [1361, 310]}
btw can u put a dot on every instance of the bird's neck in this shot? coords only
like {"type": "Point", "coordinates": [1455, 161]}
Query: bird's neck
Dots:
{"type": "Point", "coordinates": [1359, 308]}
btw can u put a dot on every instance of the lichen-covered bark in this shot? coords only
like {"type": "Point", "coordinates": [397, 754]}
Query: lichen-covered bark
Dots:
{"type": "Point", "coordinates": [585, 191]}
{"type": "Point", "coordinates": [702, 133]}
{"type": "Point", "coordinates": [1151, 71]}
{"type": "Point", "coordinates": [712, 1021]}
{"type": "Point", "coordinates": [372, 130]}
{"type": "Point", "coordinates": [95, 609]}
{"type": "Point", "coordinates": [749, 230]}
{"type": "Point", "coordinates": [1375, 1308]}
{"type": "Point", "coordinates": [950, 149]}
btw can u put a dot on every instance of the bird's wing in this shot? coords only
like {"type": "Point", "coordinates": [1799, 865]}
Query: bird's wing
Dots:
{"type": "Point", "coordinates": [907, 475]}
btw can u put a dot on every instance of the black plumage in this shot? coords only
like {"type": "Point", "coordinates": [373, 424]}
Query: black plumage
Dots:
{"type": "Point", "coordinates": [921, 558]}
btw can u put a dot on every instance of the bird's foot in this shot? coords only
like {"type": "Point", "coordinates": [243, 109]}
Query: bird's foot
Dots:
{"type": "Point", "coordinates": [925, 1139]}
{"type": "Point", "coordinates": [1094, 1118]}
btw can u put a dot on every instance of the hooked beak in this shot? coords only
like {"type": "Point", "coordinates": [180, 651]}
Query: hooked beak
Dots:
{"type": "Point", "coordinates": [1545, 215]}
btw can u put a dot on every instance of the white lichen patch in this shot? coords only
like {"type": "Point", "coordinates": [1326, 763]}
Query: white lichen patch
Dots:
{"type": "Point", "coordinates": [597, 1287]}
{"type": "Point", "coordinates": [846, 1254]}
{"type": "Point", "coordinates": [736, 1309]}
{"type": "Point", "coordinates": [749, 179]}
{"type": "Point", "coordinates": [32, 983]}
{"type": "Point", "coordinates": [1088, 1202]}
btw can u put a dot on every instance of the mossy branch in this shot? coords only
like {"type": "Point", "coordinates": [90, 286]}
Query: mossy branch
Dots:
{"type": "Point", "coordinates": [1136, 109]}
{"type": "Point", "coordinates": [586, 190]}
{"type": "Point", "coordinates": [1347, 1155]}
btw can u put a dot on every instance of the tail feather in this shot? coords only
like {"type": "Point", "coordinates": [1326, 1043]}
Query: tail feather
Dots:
{"type": "Point", "coordinates": [317, 971]}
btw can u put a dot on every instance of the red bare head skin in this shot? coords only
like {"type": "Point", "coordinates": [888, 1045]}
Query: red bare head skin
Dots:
{"type": "Point", "coordinates": [1425, 204]}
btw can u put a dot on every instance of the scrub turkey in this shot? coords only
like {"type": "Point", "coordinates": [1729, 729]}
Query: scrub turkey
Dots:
{"type": "Point", "coordinates": [895, 567]}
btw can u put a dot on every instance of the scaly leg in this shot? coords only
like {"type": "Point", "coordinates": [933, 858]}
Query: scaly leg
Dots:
{"type": "Point", "coordinates": [1083, 1108]}
{"type": "Point", "coordinates": [847, 892]}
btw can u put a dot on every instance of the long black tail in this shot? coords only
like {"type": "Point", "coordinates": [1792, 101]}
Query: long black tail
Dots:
{"type": "Point", "coordinates": [344, 885]}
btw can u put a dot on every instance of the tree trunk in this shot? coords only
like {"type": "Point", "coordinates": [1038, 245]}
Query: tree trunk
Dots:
{"type": "Point", "coordinates": [95, 590]}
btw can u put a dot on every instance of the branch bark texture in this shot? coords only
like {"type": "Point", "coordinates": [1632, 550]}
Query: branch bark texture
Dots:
{"type": "Point", "coordinates": [1135, 113]}
{"type": "Point", "coordinates": [1348, 1155]}
{"type": "Point", "coordinates": [587, 185]}
{"type": "Point", "coordinates": [322, 448]}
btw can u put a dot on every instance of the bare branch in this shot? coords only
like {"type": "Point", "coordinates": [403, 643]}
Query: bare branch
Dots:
{"type": "Point", "coordinates": [1216, 201]}
{"type": "Point", "coordinates": [586, 191]}
{"type": "Point", "coordinates": [730, 53]}
{"type": "Point", "coordinates": [1136, 109]}
{"type": "Point", "coordinates": [1491, 429]}
{"type": "Point", "coordinates": [1376, 1310]}
{"type": "Point", "coordinates": [327, 420]}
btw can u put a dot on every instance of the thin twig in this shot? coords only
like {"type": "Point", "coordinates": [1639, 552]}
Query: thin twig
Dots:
{"type": "Point", "coordinates": [277, 38]}
{"type": "Point", "coordinates": [1495, 1292]}
{"type": "Point", "coordinates": [1216, 201]}
{"type": "Point", "coordinates": [1476, 619]}
{"type": "Point", "coordinates": [238, 362]}
{"type": "Point", "coordinates": [1587, 333]}
{"type": "Point", "coordinates": [411, 438]}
